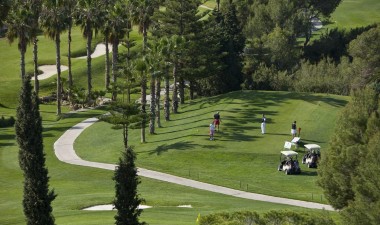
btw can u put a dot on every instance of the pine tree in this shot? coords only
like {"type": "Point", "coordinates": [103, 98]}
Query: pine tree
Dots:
{"type": "Point", "coordinates": [37, 197]}
{"type": "Point", "coordinates": [347, 172]}
{"type": "Point", "coordinates": [180, 18]}
{"type": "Point", "coordinates": [233, 43]}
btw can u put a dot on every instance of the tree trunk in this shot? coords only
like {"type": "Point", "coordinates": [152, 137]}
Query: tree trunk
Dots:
{"type": "Point", "coordinates": [107, 59]}
{"type": "Point", "coordinates": [69, 62]}
{"type": "Point", "coordinates": [143, 105]}
{"type": "Point", "coordinates": [35, 61]}
{"type": "Point", "coordinates": [115, 49]}
{"type": "Point", "coordinates": [152, 104]}
{"type": "Point", "coordinates": [182, 90]}
{"type": "Point", "coordinates": [158, 97]}
{"type": "Point", "coordinates": [167, 100]}
{"type": "Point", "coordinates": [191, 90]}
{"type": "Point", "coordinates": [89, 77]}
{"type": "Point", "coordinates": [125, 136]}
{"type": "Point", "coordinates": [58, 62]}
{"type": "Point", "coordinates": [22, 58]}
{"type": "Point", "coordinates": [175, 91]}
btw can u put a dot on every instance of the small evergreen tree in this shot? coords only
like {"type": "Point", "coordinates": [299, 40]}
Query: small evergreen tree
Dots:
{"type": "Point", "coordinates": [37, 197]}
{"type": "Point", "coordinates": [125, 115]}
{"type": "Point", "coordinates": [127, 200]}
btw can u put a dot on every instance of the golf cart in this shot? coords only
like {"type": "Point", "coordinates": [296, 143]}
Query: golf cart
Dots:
{"type": "Point", "coordinates": [289, 163]}
{"type": "Point", "coordinates": [312, 156]}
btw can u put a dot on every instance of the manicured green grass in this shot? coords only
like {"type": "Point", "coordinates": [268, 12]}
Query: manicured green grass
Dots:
{"type": "Point", "coordinates": [78, 187]}
{"type": "Point", "coordinates": [356, 13]}
{"type": "Point", "coordinates": [240, 157]}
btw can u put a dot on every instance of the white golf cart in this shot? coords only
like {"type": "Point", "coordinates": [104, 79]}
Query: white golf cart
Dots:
{"type": "Point", "coordinates": [312, 155]}
{"type": "Point", "coordinates": [289, 163]}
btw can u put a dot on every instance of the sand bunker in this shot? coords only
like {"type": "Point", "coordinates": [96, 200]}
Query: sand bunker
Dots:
{"type": "Point", "coordinates": [48, 71]}
{"type": "Point", "coordinates": [111, 207]}
{"type": "Point", "coordinates": [100, 50]}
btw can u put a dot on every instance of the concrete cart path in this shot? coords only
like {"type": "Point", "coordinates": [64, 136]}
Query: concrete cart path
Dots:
{"type": "Point", "coordinates": [64, 150]}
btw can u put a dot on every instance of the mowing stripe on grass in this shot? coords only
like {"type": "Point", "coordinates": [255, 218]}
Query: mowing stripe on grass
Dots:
{"type": "Point", "coordinates": [64, 150]}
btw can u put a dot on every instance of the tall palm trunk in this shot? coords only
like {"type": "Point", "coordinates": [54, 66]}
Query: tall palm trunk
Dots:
{"type": "Point", "coordinates": [107, 62]}
{"type": "Point", "coordinates": [89, 77]}
{"type": "Point", "coordinates": [175, 91]}
{"type": "Point", "coordinates": [22, 48]}
{"type": "Point", "coordinates": [35, 62]}
{"type": "Point", "coordinates": [152, 104]}
{"type": "Point", "coordinates": [167, 100]}
{"type": "Point", "coordinates": [58, 62]}
{"type": "Point", "coordinates": [115, 53]}
{"type": "Point", "coordinates": [143, 105]}
{"type": "Point", "coordinates": [158, 96]}
{"type": "Point", "coordinates": [69, 59]}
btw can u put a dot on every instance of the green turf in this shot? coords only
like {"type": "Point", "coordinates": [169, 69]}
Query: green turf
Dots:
{"type": "Point", "coordinates": [356, 13]}
{"type": "Point", "coordinates": [240, 157]}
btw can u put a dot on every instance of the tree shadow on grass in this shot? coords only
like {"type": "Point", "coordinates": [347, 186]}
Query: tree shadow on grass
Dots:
{"type": "Point", "coordinates": [309, 173]}
{"type": "Point", "coordinates": [184, 145]}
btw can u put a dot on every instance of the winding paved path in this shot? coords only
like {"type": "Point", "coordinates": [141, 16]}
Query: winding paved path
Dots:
{"type": "Point", "coordinates": [64, 150]}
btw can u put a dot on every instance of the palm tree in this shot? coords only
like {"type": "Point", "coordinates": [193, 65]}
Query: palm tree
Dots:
{"type": "Point", "coordinates": [144, 10]}
{"type": "Point", "coordinates": [19, 23]}
{"type": "Point", "coordinates": [166, 48]}
{"type": "Point", "coordinates": [177, 45]}
{"type": "Point", "coordinates": [70, 8]}
{"type": "Point", "coordinates": [54, 22]}
{"type": "Point", "coordinates": [154, 60]}
{"type": "Point", "coordinates": [36, 6]}
{"type": "Point", "coordinates": [141, 68]}
{"type": "Point", "coordinates": [118, 22]}
{"type": "Point", "coordinates": [89, 16]}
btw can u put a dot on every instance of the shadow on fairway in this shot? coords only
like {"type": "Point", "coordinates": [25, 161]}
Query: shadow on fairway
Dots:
{"type": "Point", "coordinates": [309, 173]}
{"type": "Point", "coordinates": [184, 145]}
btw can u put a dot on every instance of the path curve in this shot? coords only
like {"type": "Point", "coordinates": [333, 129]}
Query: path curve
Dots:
{"type": "Point", "coordinates": [64, 150]}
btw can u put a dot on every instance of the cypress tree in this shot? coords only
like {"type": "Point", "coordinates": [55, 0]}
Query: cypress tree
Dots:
{"type": "Point", "coordinates": [37, 197]}
{"type": "Point", "coordinates": [127, 200]}
{"type": "Point", "coordinates": [126, 115]}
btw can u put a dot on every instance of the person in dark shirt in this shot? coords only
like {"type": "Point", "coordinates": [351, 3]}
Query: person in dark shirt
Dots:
{"type": "Point", "coordinates": [217, 120]}
{"type": "Point", "coordinates": [294, 129]}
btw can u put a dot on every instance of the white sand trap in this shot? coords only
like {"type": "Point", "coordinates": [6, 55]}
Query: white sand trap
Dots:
{"type": "Point", "coordinates": [100, 50]}
{"type": "Point", "coordinates": [48, 71]}
{"type": "Point", "coordinates": [110, 207]}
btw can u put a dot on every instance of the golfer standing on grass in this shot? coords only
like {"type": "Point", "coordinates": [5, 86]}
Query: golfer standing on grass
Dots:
{"type": "Point", "coordinates": [294, 129]}
{"type": "Point", "coordinates": [212, 130]}
{"type": "Point", "coordinates": [263, 124]}
{"type": "Point", "coordinates": [217, 120]}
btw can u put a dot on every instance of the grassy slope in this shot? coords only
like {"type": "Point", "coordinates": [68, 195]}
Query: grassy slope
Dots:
{"type": "Point", "coordinates": [240, 156]}
{"type": "Point", "coordinates": [356, 13]}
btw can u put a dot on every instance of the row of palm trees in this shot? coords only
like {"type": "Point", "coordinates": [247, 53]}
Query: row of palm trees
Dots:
{"type": "Point", "coordinates": [114, 19]}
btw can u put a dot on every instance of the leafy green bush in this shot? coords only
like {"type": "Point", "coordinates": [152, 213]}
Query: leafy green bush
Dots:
{"type": "Point", "coordinates": [271, 217]}
{"type": "Point", "coordinates": [7, 122]}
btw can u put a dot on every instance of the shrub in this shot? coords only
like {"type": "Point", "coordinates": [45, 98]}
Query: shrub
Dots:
{"type": "Point", "coordinates": [10, 122]}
